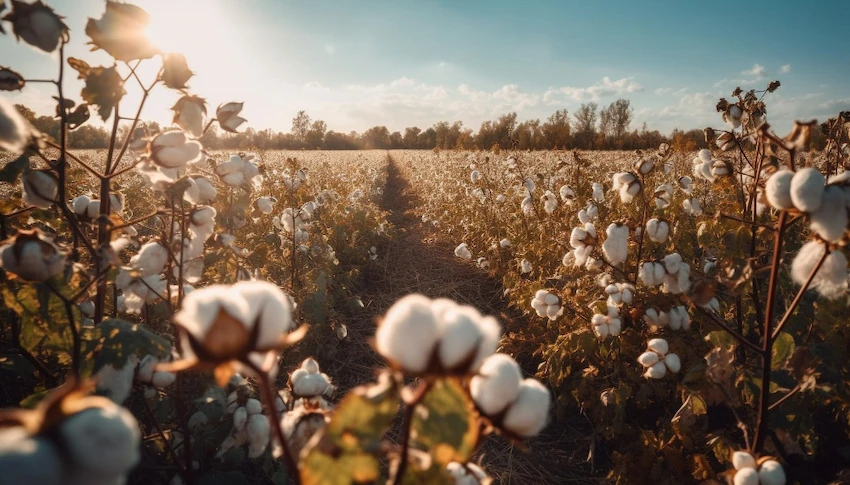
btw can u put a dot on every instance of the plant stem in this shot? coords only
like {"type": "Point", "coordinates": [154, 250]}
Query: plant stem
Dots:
{"type": "Point", "coordinates": [268, 394]}
{"type": "Point", "coordinates": [800, 294]}
{"type": "Point", "coordinates": [180, 469]}
{"type": "Point", "coordinates": [767, 339]}
{"type": "Point", "coordinates": [407, 422]}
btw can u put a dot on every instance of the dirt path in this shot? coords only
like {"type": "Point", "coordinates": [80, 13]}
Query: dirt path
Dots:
{"type": "Point", "coordinates": [415, 261]}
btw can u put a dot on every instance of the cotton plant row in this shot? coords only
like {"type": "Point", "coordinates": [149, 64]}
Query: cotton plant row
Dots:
{"type": "Point", "coordinates": [660, 246]}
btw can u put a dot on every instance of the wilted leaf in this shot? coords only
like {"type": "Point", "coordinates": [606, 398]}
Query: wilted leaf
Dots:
{"type": "Point", "coordinates": [445, 424]}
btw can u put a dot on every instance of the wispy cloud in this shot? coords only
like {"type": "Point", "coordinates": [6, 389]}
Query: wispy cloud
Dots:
{"type": "Point", "coordinates": [595, 92]}
{"type": "Point", "coordinates": [757, 70]}
{"type": "Point", "coordinates": [785, 69]}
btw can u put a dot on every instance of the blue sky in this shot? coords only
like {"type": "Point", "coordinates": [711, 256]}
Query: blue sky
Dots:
{"type": "Point", "coordinates": [357, 64]}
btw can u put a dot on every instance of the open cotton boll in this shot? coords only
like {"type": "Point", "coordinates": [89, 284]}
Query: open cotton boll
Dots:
{"type": "Point", "coordinates": [673, 363]}
{"type": "Point", "coordinates": [529, 185]}
{"type": "Point", "coordinates": [704, 155]}
{"type": "Point", "coordinates": [461, 334]}
{"type": "Point", "coordinates": [408, 333]}
{"type": "Point", "coordinates": [475, 176]}
{"type": "Point", "coordinates": [462, 251]}
{"type": "Point", "coordinates": [657, 230]}
{"type": "Point", "coordinates": [117, 384]}
{"type": "Point", "coordinates": [771, 473]}
{"type": "Point", "coordinates": [150, 259]}
{"type": "Point", "coordinates": [648, 359]}
{"type": "Point", "coordinates": [746, 476]}
{"type": "Point", "coordinates": [257, 428]}
{"type": "Point", "coordinates": [40, 188]}
{"type": "Point", "coordinates": [616, 246]}
{"type": "Point", "coordinates": [469, 474]}
{"type": "Point", "coordinates": [528, 414]}
{"type": "Point", "coordinates": [743, 459]}
{"type": "Point", "coordinates": [501, 198]}
{"type": "Point", "coordinates": [567, 194]}
{"type": "Point", "coordinates": [577, 237]}
{"type": "Point", "coordinates": [161, 380]}
{"type": "Point", "coordinates": [505, 243]}
{"type": "Point", "coordinates": [807, 188]}
{"type": "Point", "coordinates": [778, 190]}
{"type": "Point", "coordinates": [525, 266]}
{"type": "Point", "coordinates": [692, 207]}
{"type": "Point", "coordinates": [679, 318]}
{"type": "Point", "coordinates": [102, 440]}
{"type": "Point", "coordinates": [527, 206]}
{"type": "Point", "coordinates": [656, 371]}
{"type": "Point", "coordinates": [658, 345]}
{"type": "Point", "coordinates": [598, 192]}
{"type": "Point", "coordinates": [831, 279]}
{"type": "Point", "coordinates": [830, 220]}
{"type": "Point", "coordinates": [685, 183]}
{"type": "Point", "coordinates": [629, 191]}
{"type": "Point", "coordinates": [550, 202]}
{"type": "Point", "coordinates": [240, 418]}
{"type": "Point", "coordinates": [497, 384]}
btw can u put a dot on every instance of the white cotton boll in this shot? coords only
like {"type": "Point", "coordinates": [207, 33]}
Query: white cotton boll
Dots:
{"type": "Point", "coordinates": [673, 363]}
{"type": "Point", "coordinates": [692, 207]}
{"type": "Point", "coordinates": [529, 185]}
{"type": "Point", "coordinates": [568, 259]}
{"type": "Point", "coordinates": [550, 202]}
{"type": "Point", "coordinates": [704, 155]}
{"type": "Point", "coordinates": [746, 476]}
{"type": "Point", "coordinates": [645, 166]}
{"type": "Point", "coordinates": [778, 190]}
{"type": "Point", "coordinates": [408, 333]}
{"type": "Point", "coordinates": [551, 299]}
{"type": "Point", "coordinates": [206, 190]}
{"type": "Point", "coordinates": [240, 418]}
{"type": "Point", "coordinates": [657, 230]}
{"type": "Point", "coordinates": [102, 440]}
{"type": "Point", "coordinates": [151, 258]}
{"type": "Point", "coordinates": [28, 460]}
{"type": "Point", "coordinates": [743, 459]}
{"type": "Point", "coordinates": [265, 205]}
{"type": "Point", "coordinates": [583, 217]}
{"type": "Point", "coordinates": [505, 243]}
{"type": "Point", "coordinates": [807, 187]}
{"type": "Point", "coordinates": [528, 414]}
{"type": "Point", "coordinates": [830, 220]}
{"type": "Point", "coordinates": [197, 421]}
{"type": "Point", "coordinates": [253, 406]}
{"type": "Point", "coordinates": [577, 237]}
{"type": "Point", "coordinates": [501, 198]}
{"type": "Point", "coordinates": [525, 266]}
{"type": "Point", "coordinates": [475, 176]}
{"type": "Point", "coordinates": [40, 188]}
{"type": "Point", "coordinates": [146, 368]}
{"type": "Point", "coordinates": [647, 274]}
{"type": "Point", "coordinates": [685, 183]}
{"type": "Point", "coordinates": [831, 279]}
{"type": "Point", "coordinates": [628, 192]}
{"type": "Point", "coordinates": [270, 309]}
{"type": "Point", "coordinates": [771, 473]}
{"type": "Point", "coordinates": [581, 256]}
{"type": "Point", "coordinates": [15, 131]}
{"type": "Point", "coordinates": [93, 209]}
{"type": "Point", "coordinates": [590, 229]}
{"type": "Point", "coordinates": [462, 251]}
{"type": "Point", "coordinates": [567, 194]}
{"type": "Point", "coordinates": [657, 371]}
{"type": "Point", "coordinates": [554, 311]}
{"type": "Point", "coordinates": [598, 192]}
{"type": "Point", "coordinates": [117, 383]}
{"type": "Point", "coordinates": [161, 380]}
{"type": "Point", "coordinates": [460, 335]}
{"type": "Point", "coordinates": [593, 264]}
{"type": "Point", "coordinates": [234, 179]}
{"type": "Point", "coordinates": [80, 205]}
{"type": "Point", "coordinates": [257, 429]}
{"type": "Point", "coordinates": [614, 326]}
{"type": "Point", "coordinates": [616, 246]}
{"type": "Point", "coordinates": [648, 359]}
{"type": "Point", "coordinates": [527, 206]}
{"type": "Point", "coordinates": [497, 384]}
{"type": "Point", "coordinates": [658, 345]}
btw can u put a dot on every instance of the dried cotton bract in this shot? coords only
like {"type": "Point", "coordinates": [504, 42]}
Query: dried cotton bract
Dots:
{"type": "Point", "coordinates": [422, 336]}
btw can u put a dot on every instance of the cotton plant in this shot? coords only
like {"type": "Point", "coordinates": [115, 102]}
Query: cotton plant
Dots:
{"type": "Point", "coordinates": [547, 305]}
{"type": "Point", "coordinates": [607, 324]}
{"type": "Point", "coordinates": [749, 471]}
{"type": "Point", "coordinates": [462, 251]}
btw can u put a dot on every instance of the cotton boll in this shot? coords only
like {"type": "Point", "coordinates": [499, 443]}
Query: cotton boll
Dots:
{"type": "Point", "coordinates": [102, 440]}
{"type": "Point", "coordinates": [743, 459]}
{"type": "Point", "coordinates": [257, 428]}
{"type": "Point", "coordinates": [807, 188]}
{"type": "Point", "coordinates": [746, 476]}
{"type": "Point", "coordinates": [648, 359]}
{"type": "Point", "coordinates": [408, 333]}
{"type": "Point", "coordinates": [771, 473]}
{"type": "Point", "coordinates": [40, 188]}
{"type": "Point", "coordinates": [528, 414]}
{"type": "Point", "coordinates": [657, 230]}
{"type": "Point", "coordinates": [658, 345]}
{"type": "Point", "coordinates": [80, 205]}
{"type": "Point", "coordinates": [529, 185]}
{"type": "Point", "coordinates": [150, 259]}
{"type": "Point", "coordinates": [240, 418]}
{"type": "Point", "coordinates": [830, 220]}
{"type": "Point", "coordinates": [550, 202]}
{"type": "Point", "coordinates": [831, 279]}
{"type": "Point", "coordinates": [704, 155]}
{"type": "Point", "coordinates": [568, 259]}
{"type": "Point", "coordinates": [647, 274]}
{"type": "Point", "coordinates": [656, 371]}
{"type": "Point", "coordinates": [615, 325]}
{"type": "Point", "coordinates": [497, 384]}
{"type": "Point", "coordinates": [685, 183]}
{"type": "Point", "coordinates": [616, 246]}
{"type": "Point", "coordinates": [527, 206]}
{"type": "Point", "coordinates": [598, 192]}
{"type": "Point", "coordinates": [525, 266]}
{"type": "Point", "coordinates": [567, 194]}
{"type": "Point", "coordinates": [577, 237]}
{"type": "Point", "coordinates": [117, 383]}
{"type": "Point", "coordinates": [460, 336]}
{"type": "Point", "coordinates": [462, 251]}
{"type": "Point", "coordinates": [673, 363]}
{"type": "Point", "coordinates": [692, 207]}
{"type": "Point", "coordinates": [161, 380]}
{"type": "Point", "coordinates": [778, 190]}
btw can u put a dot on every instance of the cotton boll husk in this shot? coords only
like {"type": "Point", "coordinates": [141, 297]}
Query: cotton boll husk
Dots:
{"type": "Point", "coordinates": [656, 371]}
{"type": "Point", "coordinates": [648, 359]}
{"type": "Point", "coordinates": [103, 440]}
{"type": "Point", "coordinates": [528, 414]}
{"type": "Point", "coordinates": [497, 384]}
{"type": "Point", "coordinates": [408, 333]}
{"type": "Point", "coordinates": [771, 473]}
{"type": "Point", "coordinates": [830, 220]}
{"type": "Point", "coordinates": [807, 188]}
{"type": "Point", "coordinates": [658, 345]}
{"type": "Point", "coordinates": [673, 363]}
{"type": "Point", "coordinates": [778, 190]}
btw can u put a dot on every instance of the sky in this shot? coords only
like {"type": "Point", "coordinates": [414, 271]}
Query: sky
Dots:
{"type": "Point", "coordinates": [398, 63]}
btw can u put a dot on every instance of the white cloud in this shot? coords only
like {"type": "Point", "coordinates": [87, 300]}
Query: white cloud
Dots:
{"type": "Point", "coordinates": [401, 82]}
{"type": "Point", "coordinates": [837, 104]}
{"type": "Point", "coordinates": [757, 70]}
{"type": "Point", "coordinates": [314, 87]}
{"type": "Point", "coordinates": [595, 92]}
{"type": "Point", "coordinates": [663, 91]}
{"type": "Point", "coordinates": [785, 69]}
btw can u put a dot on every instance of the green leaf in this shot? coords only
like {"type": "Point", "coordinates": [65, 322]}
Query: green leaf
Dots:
{"type": "Point", "coordinates": [783, 347]}
{"type": "Point", "coordinates": [44, 322]}
{"type": "Point", "coordinates": [346, 451]}
{"type": "Point", "coordinates": [445, 424]}
{"type": "Point", "coordinates": [122, 339]}
{"type": "Point", "coordinates": [12, 170]}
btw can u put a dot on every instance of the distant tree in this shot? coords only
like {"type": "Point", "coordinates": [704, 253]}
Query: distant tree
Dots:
{"type": "Point", "coordinates": [315, 137]}
{"type": "Point", "coordinates": [377, 137]}
{"type": "Point", "coordinates": [428, 138]}
{"type": "Point", "coordinates": [411, 137]}
{"type": "Point", "coordinates": [396, 140]}
{"type": "Point", "coordinates": [621, 114]}
{"type": "Point", "coordinates": [585, 129]}
{"type": "Point", "coordinates": [556, 130]}
{"type": "Point", "coordinates": [301, 126]}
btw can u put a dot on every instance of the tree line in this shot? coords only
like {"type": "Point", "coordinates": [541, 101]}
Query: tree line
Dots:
{"type": "Point", "coordinates": [589, 128]}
